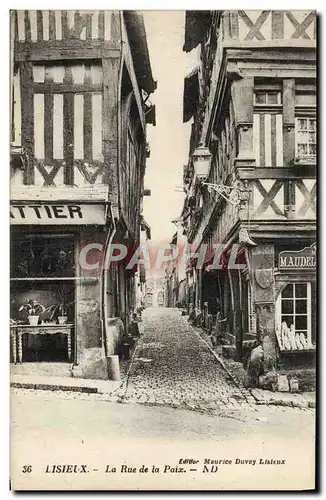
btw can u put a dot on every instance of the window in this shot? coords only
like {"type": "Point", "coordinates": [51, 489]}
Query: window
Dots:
{"type": "Point", "coordinates": [293, 310]}
{"type": "Point", "coordinates": [43, 276]}
{"type": "Point", "coordinates": [305, 121]}
{"type": "Point", "coordinates": [267, 98]}
{"type": "Point", "coordinates": [305, 135]}
{"type": "Point", "coordinates": [39, 256]}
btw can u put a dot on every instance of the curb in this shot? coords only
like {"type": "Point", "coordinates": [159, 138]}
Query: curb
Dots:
{"type": "Point", "coordinates": [54, 387]}
{"type": "Point", "coordinates": [286, 403]}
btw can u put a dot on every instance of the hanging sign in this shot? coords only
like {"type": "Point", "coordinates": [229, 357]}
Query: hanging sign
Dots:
{"type": "Point", "coordinates": [302, 260]}
{"type": "Point", "coordinates": [57, 214]}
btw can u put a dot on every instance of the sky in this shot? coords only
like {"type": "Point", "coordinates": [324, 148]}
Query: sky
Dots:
{"type": "Point", "coordinates": [169, 140]}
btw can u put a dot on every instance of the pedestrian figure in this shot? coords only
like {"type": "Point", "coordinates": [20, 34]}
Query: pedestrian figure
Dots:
{"type": "Point", "coordinates": [219, 324]}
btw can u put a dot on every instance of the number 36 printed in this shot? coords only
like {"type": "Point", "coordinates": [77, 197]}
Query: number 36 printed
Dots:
{"type": "Point", "coordinates": [26, 469]}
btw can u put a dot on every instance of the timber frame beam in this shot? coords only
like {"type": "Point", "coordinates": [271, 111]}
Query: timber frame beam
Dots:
{"type": "Point", "coordinates": [300, 172]}
{"type": "Point", "coordinates": [66, 49]}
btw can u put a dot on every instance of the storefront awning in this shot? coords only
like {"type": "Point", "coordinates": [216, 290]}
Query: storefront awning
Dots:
{"type": "Point", "coordinates": [190, 95]}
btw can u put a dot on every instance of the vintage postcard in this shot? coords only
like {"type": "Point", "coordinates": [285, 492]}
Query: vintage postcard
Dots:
{"type": "Point", "coordinates": [163, 250]}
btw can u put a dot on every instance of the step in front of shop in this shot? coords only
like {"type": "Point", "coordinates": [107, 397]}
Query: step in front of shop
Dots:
{"type": "Point", "coordinates": [42, 369]}
{"type": "Point", "coordinates": [67, 384]}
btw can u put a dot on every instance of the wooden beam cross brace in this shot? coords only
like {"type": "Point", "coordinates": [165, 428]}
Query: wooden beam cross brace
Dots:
{"type": "Point", "coordinates": [268, 197]}
{"type": "Point", "coordinates": [254, 27]}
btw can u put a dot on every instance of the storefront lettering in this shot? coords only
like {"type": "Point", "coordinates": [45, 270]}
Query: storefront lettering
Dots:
{"type": "Point", "coordinates": [297, 262]}
{"type": "Point", "coordinates": [56, 211]}
{"type": "Point", "coordinates": [302, 259]}
{"type": "Point", "coordinates": [52, 214]}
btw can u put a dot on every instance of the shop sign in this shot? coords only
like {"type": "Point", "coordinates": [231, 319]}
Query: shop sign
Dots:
{"type": "Point", "coordinates": [302, 260]}
{"type": "Point", "coordinates": [57, 214]}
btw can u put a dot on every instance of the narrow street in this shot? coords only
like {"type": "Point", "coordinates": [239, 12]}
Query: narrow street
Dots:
{"type": "Point", "coordinates": [176, 402]}
{"type": "Point", "coordinates": [173, 366]}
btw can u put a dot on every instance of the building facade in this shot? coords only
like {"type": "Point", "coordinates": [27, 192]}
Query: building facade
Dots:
{"type": "Point", "coordinates": [176, 286]}
{"type": "Point", "coordinates": [80, 106]}
{"type": "Point", "coordinates": [252, 100]}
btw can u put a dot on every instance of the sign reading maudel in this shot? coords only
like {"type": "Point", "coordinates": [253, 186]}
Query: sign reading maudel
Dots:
{"type": "Point", "coordinates": [304, 259]}
{"type": "Point", "coordinates": [57, 214]}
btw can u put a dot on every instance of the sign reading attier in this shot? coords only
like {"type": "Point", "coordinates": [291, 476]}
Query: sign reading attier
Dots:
{"type": "Point", "coordinates": [57, 214]}
{"type": "Point", "coordinates": [304, 259]}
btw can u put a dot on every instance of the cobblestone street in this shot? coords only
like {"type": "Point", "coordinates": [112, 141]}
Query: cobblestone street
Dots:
{"type": "Point", "coordinates": [181, 403]}
{"type": "Point", "coordinates": [173, 366]}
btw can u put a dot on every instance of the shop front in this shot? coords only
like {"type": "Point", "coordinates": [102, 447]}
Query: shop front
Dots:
{"type": "Point", "coordinates": [267, 298]}
{"type": "Point", "coordinates": [55, 302]}
{"type": "Point", "coordinates": [283, 296]}
{"type": "Point", "coordinates": [295, 312]}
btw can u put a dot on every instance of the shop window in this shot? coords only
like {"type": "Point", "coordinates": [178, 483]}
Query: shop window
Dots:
{"type": "Point", "coordinates": [38, 256]}
{"type": "Point", "coordinates": [293, 310]}
{"type": "Point", "coordinates": [305, 137]}
{"type": "Point", "coordinates": [42, 286]}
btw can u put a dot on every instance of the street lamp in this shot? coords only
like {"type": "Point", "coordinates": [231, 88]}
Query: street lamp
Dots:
{"type": "Point", "coordinates": [201, 158]}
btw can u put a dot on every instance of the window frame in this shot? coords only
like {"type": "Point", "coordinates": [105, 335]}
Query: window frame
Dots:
{"type": "Point", "coordinates": [268, 88]}
{"type": "Point", "coordinates": [304, 116]}
{"type": "Point", "coordinates": [268, 92]}
{"type": "Point", "coordinates": [44, 238]}
{"type": "Point", "coordinates": [305, 111]}
{"type": "Point", "coordinates": [308, 314]}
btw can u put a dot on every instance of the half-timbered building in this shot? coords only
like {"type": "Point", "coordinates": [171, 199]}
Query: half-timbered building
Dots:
{"type": "Point", "coordinates": [81, 82]}
{"type": "Point", "coordinates": [252, 100]}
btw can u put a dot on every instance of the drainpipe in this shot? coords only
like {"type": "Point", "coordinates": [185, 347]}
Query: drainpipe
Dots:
{"type": "Point", "coordinates": [112, 233]}
{"type": "Point", "coordinates": [108, 243]}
